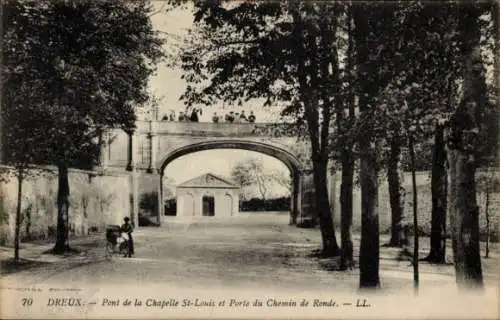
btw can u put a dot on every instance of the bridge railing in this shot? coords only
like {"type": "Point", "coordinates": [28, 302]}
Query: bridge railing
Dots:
{"type": "Point", "coordinates": [208, 128]}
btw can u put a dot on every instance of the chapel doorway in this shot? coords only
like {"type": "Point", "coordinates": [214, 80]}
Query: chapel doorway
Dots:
{"type": "Point", "coordinates": [208, 206]}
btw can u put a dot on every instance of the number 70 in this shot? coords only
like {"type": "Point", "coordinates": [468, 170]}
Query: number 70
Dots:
{"type": "Point", "coordinates": [27, 302]}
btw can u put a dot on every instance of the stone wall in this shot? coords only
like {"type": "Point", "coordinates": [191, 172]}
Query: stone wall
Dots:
{"type": "Point", "coordinates": [95, 201]}
{"type": "Point", "coordinates": [149, 189]}
{"type": "Point", "coordinates": [424, 204]}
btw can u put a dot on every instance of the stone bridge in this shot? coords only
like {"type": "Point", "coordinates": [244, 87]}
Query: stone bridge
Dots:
{"type": "Point", "coordinates": [154, 144]}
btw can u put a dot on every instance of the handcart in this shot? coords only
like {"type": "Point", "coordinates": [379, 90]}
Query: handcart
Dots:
{"type": "Point", "coordinates": [116, 241]}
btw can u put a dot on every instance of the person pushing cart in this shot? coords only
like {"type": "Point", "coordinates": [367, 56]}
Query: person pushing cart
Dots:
{"type": "Point", "coordinates": [128, 229]}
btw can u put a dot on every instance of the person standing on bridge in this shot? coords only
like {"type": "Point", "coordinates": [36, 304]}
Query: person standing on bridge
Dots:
{"type": "Point", "coordinates": [251, 117]}
{"type": "Point", "coordinates": [187, 114]}
{"type": "Point", "coordinates": [181, 116]}
{"type": "Point", "coordinates": [194, 115]}
{"type": "Point", "coordinates": [243, 117]}
{"type": "Point", "coordinates": [230, 117]}
{"type": "Point", "coordinates": [128, 229]}
{"type": "Point", "coordinates": [215, 118]}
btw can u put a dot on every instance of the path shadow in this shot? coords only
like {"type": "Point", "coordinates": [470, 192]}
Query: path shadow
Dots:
{"type": "Point", "coordinates": [331, 264]}
{"type": "Point", "coordinates": [69, 252]}
{"type": "Point", "coordinates": [429, 259]}
{"type": "Point", "coordinates": [10, 266]}
{"type": "Point", "coordinates": [89, 245]}
{"type": "Point", "coordinates": [326, 262]}
{"type": "Point", "coordinates": [319, 254]}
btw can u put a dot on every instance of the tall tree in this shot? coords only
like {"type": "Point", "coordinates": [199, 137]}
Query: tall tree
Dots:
{"type": "Point", "coordinates": [372, 25]}
{"type": "Point", "coordinates": [241, 176]}
{"type": "Point", "coordinates": [282, 52]}
{"type": "Point", "coordinates": [395, 181]}
{"type": "Point", "coordinates": [380, 65]}
{"type": "Point", "coordinates": [168, 187]}
{"type": "Point", "coordinates": [283, 179]}
{"type": "Point", "coordinates": [346, 144]}
{"type": "Point", "coordinates": [432, 78]}
{"type": "Point", "coordinates": [464, 128]}
{"type": "Point", "coordinates": [23, 144]}
{"type": "Point", "coordinates": [91, 62]}
{"type": "Point", "coordinates": [439, 192]}
{"type": "Point", "coordinates": [426, 89]}
{"type": "Point", "coordinates": [315, 82]}
{"type": "Point", "coordinates": [251, 172]}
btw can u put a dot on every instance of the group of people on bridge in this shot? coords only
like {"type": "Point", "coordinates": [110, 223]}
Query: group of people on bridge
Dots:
{"type": "Point", "coordinates": [233, 117]}
{"type": "Point", "coordinates": [193, 115]}
{"type": "Point", "coordinates": [190, 115]}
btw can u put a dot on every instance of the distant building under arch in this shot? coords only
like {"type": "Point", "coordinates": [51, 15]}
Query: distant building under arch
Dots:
{"type": "Point", "coordinates": [207, 195]}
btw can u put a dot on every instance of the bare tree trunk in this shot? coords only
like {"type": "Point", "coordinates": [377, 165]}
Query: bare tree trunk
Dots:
{"type": "Point", "coordinates": [61, 245]}
{"type": "Point", "coordinates": [20, 178]}
{"type": "Point", "coordinates": [347, 155]}
{"type": "Point", "coordinates": [28, 222]}
{"type": "Point", "coordinates": [439, 185]}
{"type": "Point", "coordinates": [330, 246]}
{"type": "Point", "coordinates": [487, 214]}
{"type": "Point", "coordinates": [495, 15]}
{"type": "Point", "coordinates": [415, 213]}
{"type": "Point", "coordinates": [461, 153]}
{"type": "Point", "coordinates": [346, 198]}
{"type": "Point", "coordinates": [318, 131]}
{"type": "Point", "coordinates": [464, 221]}
{"type": "Point", "coordinates": [396, 192]}
{"type": "Point", "coordinates": [370, 238]}
{"type": "Point", "coordinates": [261, 186]}
{"type": "Point", "coordinates": [369, 251]}
{"type": "Point", "coordinates": [294, 194]}
{"type": "Point", "coordinates": [2, 136]}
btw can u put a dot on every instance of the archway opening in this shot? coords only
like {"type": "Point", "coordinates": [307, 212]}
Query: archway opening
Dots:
{"type": "Point", "coordinates": [276, 188]}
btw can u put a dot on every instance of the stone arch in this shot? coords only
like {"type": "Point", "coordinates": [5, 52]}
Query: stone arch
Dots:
{"type": "Point", "coordinates": [289, 159]}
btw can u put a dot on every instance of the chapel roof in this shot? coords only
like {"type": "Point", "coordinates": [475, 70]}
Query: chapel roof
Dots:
{"type": "Point", "coordinates": [208, 180]}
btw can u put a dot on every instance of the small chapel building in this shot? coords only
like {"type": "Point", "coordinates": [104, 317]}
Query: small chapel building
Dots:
{"type": "Point", "coordinates": [207, 195]}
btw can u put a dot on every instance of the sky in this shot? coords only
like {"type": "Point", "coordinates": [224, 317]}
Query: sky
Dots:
{"type": "Point", "coordinates": [167, 85]}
